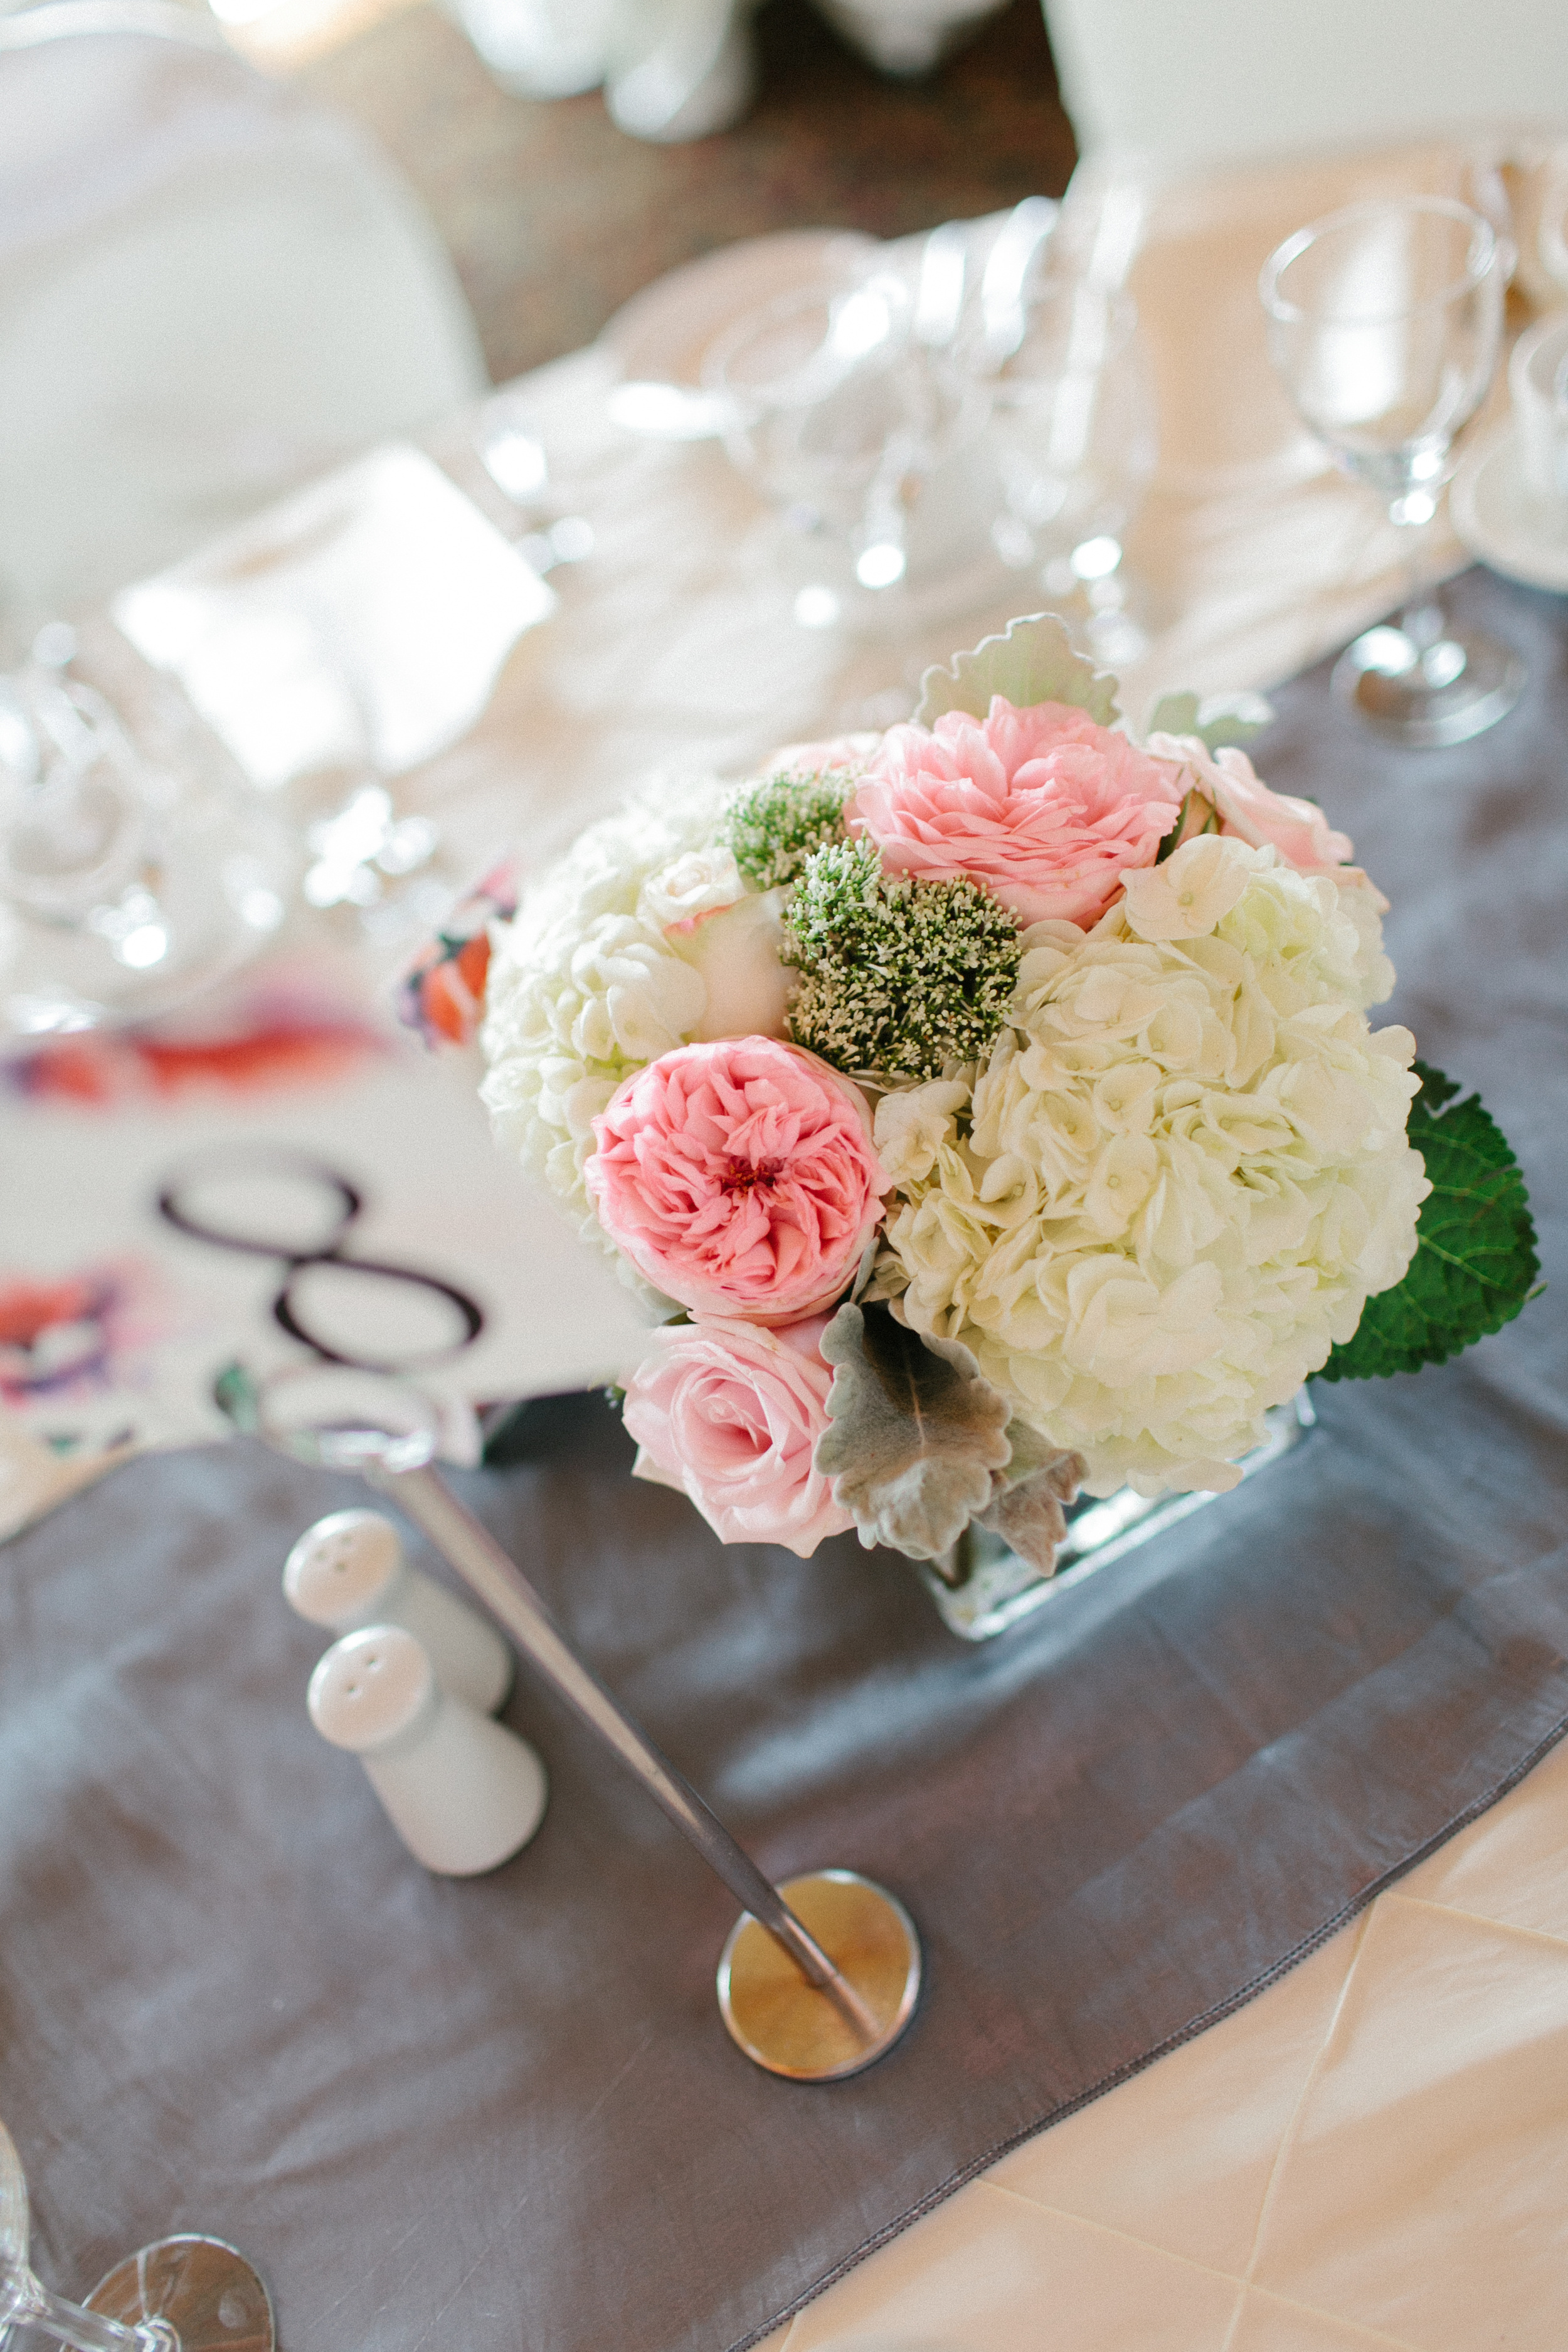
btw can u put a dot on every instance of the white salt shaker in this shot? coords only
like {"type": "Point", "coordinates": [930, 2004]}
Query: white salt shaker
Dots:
{"type": "Point", "coordinates": [349, 1571]}
{"type": "Point", "coordinates": [462, 1792]}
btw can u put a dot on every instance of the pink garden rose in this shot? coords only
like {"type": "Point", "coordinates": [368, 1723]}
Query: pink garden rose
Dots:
{"type": "Point", "coordinates": [1246, 807]}
{"type": "Point", "coordinates": [729, 1415]}
{"type": "Point", "coordinates": [738, 1177]}
{"type": "Point", "coordinates": [1042, 806]}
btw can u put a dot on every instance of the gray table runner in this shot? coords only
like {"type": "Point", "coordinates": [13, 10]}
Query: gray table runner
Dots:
{"type": "Point", "coordinates": [503, 2113]}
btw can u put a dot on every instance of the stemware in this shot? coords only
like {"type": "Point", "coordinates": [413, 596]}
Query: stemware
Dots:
{"type": "Point", "coordinates": [1072, 426]}
{"type": "Point", "coordinates": [839, 410]}
{"type": "Point", "coordinates": [186, 2293]}
{"type": "Point", "coordinates": [1384, 322]}
{"type": "Point", "coordinates": [123, 889]}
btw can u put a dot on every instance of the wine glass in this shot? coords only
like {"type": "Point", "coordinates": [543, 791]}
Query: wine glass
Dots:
{"type": "Point", "coordinates": [1072, 426]}
{"type": "Point", "coordinates": [124, 888]}
{"type": "Point", "coordinates": [1384, 322]}
{"type": "Point", "coordinates": [180, 2294]}
{"type": "Point", "coordinates": [833, 404]}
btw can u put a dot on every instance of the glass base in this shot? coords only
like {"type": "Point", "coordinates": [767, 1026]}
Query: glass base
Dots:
{"type": "Point", "coordinates": [199, 2291]}
{"type": "Point", "coordinates": [981, 1589]}
{"type": "Point", "coordinates": [1427, 687]}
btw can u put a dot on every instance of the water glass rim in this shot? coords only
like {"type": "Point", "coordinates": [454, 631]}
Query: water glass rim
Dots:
{"type": "Point", "coordinates": [1484, 250]}
{"type": "Point", "coordinates": [827, 296]}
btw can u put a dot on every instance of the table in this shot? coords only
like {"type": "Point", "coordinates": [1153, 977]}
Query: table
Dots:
{"type": "Point", "coordinates": [1324, 2168]}
{"type": "Point", "coordinates": [1370, 2151]}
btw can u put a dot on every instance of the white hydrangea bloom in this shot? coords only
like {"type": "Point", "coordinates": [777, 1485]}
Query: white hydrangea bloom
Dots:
{"type": "Point", "coordinates": [1180, 1176]}
{"type": "Point", "coordinates": [584, 987]}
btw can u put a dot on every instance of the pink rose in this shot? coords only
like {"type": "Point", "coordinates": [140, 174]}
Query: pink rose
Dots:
{"type": "Point", "coordinates": [739, 1178]}
{"type": "Point", "coordinates": [1041, 806]}
{"type": "Point", "coordinates": [1297, 829]}
{"type": "Point", "coordinates": [729, 1415]}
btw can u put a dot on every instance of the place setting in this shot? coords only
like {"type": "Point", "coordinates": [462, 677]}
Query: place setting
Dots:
{"type": "Point", "coordinates": [781, 1402]}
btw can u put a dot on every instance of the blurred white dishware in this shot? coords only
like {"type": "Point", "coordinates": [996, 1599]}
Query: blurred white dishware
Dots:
{"type": "Point", "coordinates": [906, 38]}
{"type": "Point", "coordinates": [1538, 380]}
{"type": "Point", "coordinates": [126, 889]}
{"type": "Point", "coordinates": [185, 2294]}
{"type": "Point", "coordinates": [462, 1792]}
{"type": "Point", "coordinates": [682, 69]}
{"type": "Point", "coordinates": [1384, 322]}
{"type": "Point", "coordinates": [349, 1570]}
{"type": "Point", "coordinates": [543, 48]}
{"type": "Point", "coordinates": [1499, 518]}
{"type": "Point", "coordinates": [1551, 220]}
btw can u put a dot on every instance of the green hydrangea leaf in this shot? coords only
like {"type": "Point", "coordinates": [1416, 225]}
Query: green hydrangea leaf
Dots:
{"type": "Point", "coordinates": [1032, 661]}
{"type": "Point", "coordinates": [1475, 1262]}
{"type": "Point", "coordinates": [915, 1433]}
{"type": "Point", "coordinates": [1236, 721]}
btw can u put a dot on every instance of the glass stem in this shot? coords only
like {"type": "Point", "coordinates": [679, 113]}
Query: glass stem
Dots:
{"type": "Point", "coordinates": [1421, 614]}
{"type": "Point", "coordinates": [68, 2323]}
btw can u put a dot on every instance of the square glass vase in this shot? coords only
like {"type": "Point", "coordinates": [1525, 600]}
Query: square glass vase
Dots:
{"type": "Point", "coordinates": [981, 1589]}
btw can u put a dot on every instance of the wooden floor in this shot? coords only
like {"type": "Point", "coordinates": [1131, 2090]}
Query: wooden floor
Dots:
{"type": "Point", "coordinates": [553, 217]}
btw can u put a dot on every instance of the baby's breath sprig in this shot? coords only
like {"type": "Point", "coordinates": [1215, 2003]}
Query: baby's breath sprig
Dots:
{"type": "Point", "coordinates": [771, 827]}
{"type": "Point", "coordinates": [897, 977]}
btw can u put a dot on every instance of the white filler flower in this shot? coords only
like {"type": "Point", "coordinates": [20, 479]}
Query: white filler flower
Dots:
{"type": "Point", "coordinates": [1182, 1173]}
{"type": "Point", "coordinates": [586, 985]}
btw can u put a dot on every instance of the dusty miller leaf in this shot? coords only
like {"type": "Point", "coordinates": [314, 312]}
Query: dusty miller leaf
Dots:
{"type": "Point", "coordinates": [1474, 1258]}
{"type": "Point", "coordinates": [914, 1432]}
{"type": "Point", "coordinates": [1026, 1497]}
{"type": "Point", "coordinates": [1032, 661]}
{"type": "Point", "coordinates": [1179, 714]}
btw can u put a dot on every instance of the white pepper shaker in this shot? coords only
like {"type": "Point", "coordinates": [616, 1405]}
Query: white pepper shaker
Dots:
{"type": "Point", "coordinates": [462, 1792]}
{"type": "Point", "coordinates": [349, 1570]}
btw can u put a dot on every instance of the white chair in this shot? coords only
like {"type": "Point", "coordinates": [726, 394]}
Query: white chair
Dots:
{"type": "Point", "coordinates": [209, 292]}
{"type": "Point", "coordinates": [1208, 83]}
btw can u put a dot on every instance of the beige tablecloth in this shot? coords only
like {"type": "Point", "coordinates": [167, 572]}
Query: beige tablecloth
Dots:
{"type": "Point", "coordinates": [1370, 2153]}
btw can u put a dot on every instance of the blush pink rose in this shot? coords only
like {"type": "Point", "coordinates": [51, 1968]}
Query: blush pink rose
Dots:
{"type": "Point", "coordinates": [1246, 807]}
{"type": "Point", "coordinates": [1042, 806]}
{"type": "Point", "coordinates": [738, 1177]}
{"type": "Point", "coordinates": [729, 1415]}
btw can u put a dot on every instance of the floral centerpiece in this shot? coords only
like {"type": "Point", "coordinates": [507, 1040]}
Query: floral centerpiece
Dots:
{"type": "Point", "coordinates": [987, 1108]}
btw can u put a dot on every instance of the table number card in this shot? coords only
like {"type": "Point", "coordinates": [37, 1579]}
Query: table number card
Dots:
{"type": "Point", "coordinates": [296, 1178]}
